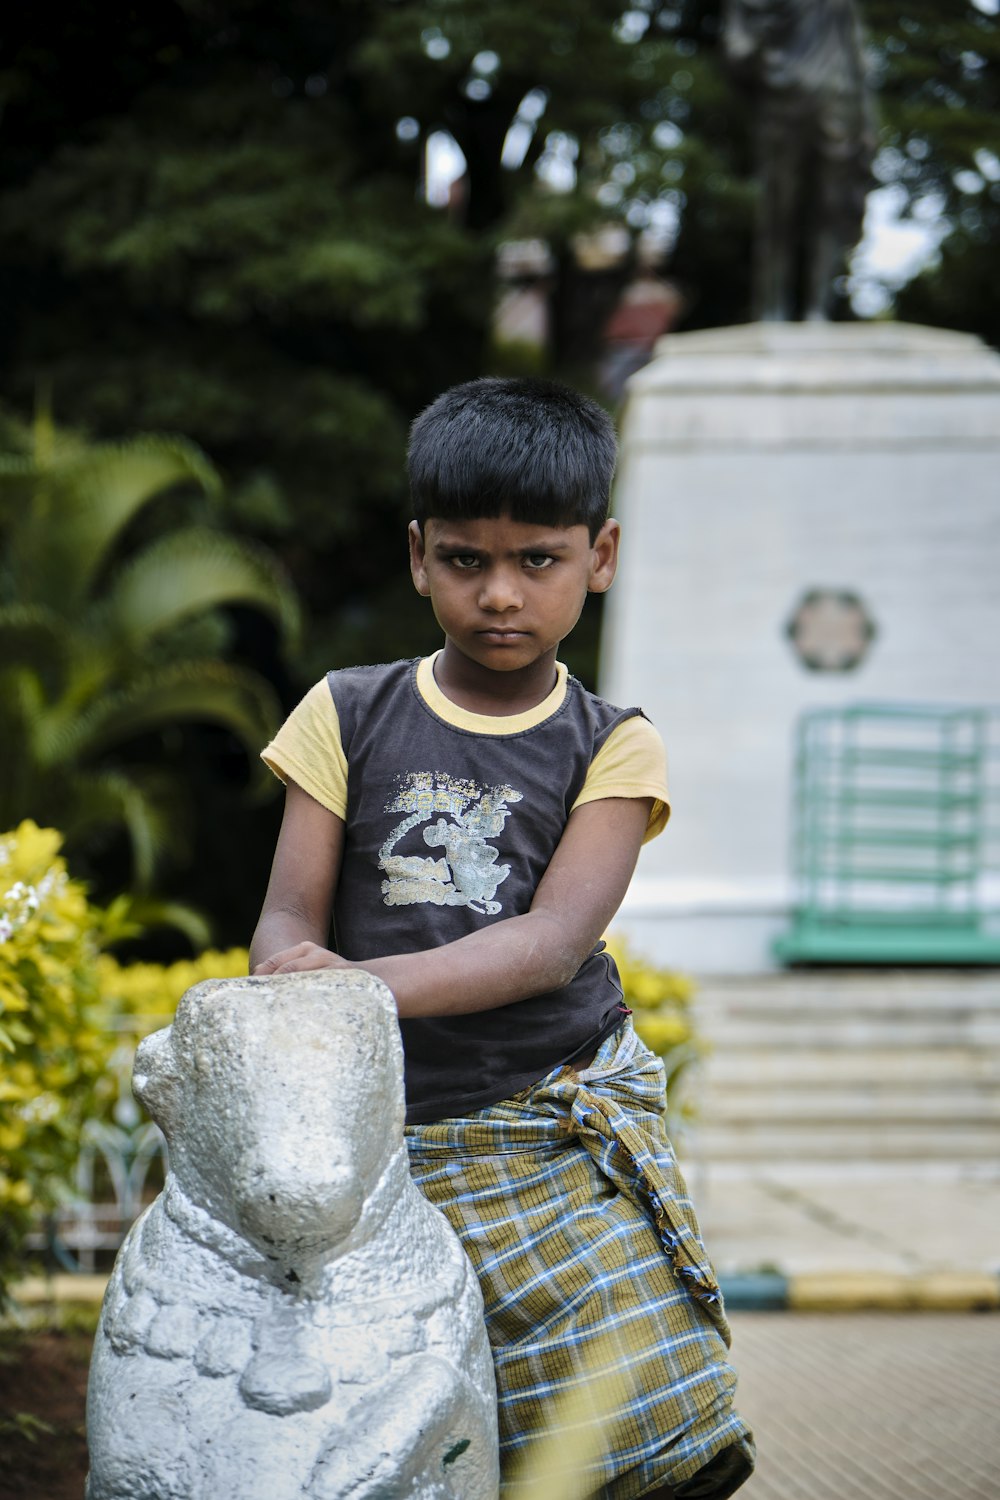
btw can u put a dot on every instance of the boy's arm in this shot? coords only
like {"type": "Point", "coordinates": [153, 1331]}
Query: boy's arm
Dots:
{"type": "Point", "coordinates": [525, 955]}
{"type": "Point", "coordinates": [299, 899]}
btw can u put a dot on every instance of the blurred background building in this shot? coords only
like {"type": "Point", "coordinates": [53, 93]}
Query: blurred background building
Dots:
{"type": "Point", "coordinates": [808, 605]}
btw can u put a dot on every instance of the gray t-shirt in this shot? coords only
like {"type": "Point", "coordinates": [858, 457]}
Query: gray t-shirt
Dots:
{"type": "Point", "coordinates": [447, 831]}
{"type": "Point", "coordinates": [451, 820]}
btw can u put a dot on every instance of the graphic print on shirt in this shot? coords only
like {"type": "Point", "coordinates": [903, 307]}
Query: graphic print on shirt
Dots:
{"type": "Point", "coordinates": [468, 874]}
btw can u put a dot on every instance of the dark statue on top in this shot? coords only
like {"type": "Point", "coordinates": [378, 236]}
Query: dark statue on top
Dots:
{"type": "Point", "coordinates": [802, 62]}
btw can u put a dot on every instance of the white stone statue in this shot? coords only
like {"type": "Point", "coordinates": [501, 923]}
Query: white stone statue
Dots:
{"type": "Point", "coordinates": [290, 1318]}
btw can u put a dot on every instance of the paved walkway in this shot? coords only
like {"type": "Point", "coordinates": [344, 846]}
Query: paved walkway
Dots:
{"type": "Point", "coordinates": [872, 1230]}
{"type": "Point", "coordinates": [871, 1219]}
{"type": "Point", "coordinates": [871, 1406]}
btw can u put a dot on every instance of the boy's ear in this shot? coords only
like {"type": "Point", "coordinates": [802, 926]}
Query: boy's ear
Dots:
{"type": "Point", "coordinates": [417, 567]}
{"type": "Point", "coordinates": [604, 557]}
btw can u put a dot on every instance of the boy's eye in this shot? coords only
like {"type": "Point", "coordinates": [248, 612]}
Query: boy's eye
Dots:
{"type": "Point", "coordinates": [463, 560]}
{"type": "Point", "coordinates": [536, 561]}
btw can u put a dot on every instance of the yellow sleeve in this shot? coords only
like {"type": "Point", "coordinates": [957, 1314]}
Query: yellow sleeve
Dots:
{"type": "Point", "coordinates": [308, 751]}
{"type": "Point", "coordinates": [632, 762]}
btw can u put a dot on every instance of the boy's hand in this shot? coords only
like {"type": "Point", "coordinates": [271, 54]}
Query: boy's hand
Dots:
{"type": "Point", "coordinates": [300, 958]}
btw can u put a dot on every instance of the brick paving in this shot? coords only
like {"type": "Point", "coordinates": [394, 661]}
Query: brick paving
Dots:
{"type": "Point", "coordinates": [871, 1406]}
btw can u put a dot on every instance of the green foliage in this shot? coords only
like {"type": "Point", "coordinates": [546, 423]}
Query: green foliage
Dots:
{"type": "Point", "coordinates": [936, 70]}
{"type": "Point", "coordinates": [110, 635]}
{"type": "Point", "coordinates": [935, 73]}
{"type": "Point", "coordinates": [24, 1425]}
{"type": "Point", "coordinates": [64, 1003]}
{"type": "Point", "coordinates": [52, 1037]}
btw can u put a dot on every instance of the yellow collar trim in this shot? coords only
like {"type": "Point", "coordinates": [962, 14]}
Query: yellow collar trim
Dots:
{"type": "Point", "coordinates": [461, 718]}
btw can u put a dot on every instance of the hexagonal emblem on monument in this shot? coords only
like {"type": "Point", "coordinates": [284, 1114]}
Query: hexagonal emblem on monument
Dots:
{"type": "Point", "coordinates": [831, 630]}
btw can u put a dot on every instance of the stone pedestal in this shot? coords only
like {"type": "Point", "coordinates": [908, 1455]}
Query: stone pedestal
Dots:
{"type": "Point", "coordinates": [839, 482]}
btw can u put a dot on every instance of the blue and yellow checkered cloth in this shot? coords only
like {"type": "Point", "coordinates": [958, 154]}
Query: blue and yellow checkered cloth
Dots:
{"type": "Point", "coordinates": [570, 1203]}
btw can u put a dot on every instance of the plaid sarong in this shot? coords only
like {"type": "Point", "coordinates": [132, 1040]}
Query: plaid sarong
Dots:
{"type": "Point", "coordinates": [569, 1201]}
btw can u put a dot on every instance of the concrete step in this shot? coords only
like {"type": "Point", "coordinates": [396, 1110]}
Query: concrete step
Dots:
{"type": "Point", "coordinates": [825, 1004]}
{"type": "Point", "coordinates": [853, 1067]}
{"type": "Point", "coordinates": [835, 1141]}
{"type": "Point", "coordinates": [714, 1012]}
{"type": "Point", "coordinates": [795, 1033]}
{"type": "Point", "coordinates": [834, 1064]}
{"type": "Point", "coordinates": [834, 1014]}
{"type": "Point", "coordinates": [948, 990]}
{"type": "Point", "coordinates": [783, 998]}
{"type": "Point", "coordinates": [890, 1106]}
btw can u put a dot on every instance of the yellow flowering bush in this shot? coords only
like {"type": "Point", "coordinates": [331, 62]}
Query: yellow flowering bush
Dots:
{"type": "Point", "coordinates": [52, 1043]}
{"type": "Point", "coordinates": [150, 992]}
{"type": "Point", "coordinates": [62, 1004]}
{"type": "Point", "coordinates": [660, 1001]}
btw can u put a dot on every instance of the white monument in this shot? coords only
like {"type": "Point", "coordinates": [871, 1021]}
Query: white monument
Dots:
{"type": "Point", "coordinates": [811, 518]}
{"type": "Point", "coordinates": [290, 1320]}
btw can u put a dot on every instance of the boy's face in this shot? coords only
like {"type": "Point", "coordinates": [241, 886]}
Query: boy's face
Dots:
{"type": "Point", "coordinates": [506, 592]}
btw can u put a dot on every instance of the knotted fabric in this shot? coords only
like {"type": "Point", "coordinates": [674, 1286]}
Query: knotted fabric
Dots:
{"type": "Point", "coordinates": [570, 1203]}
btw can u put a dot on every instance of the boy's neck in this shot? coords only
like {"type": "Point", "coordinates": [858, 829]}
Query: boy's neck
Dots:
{"type": "Point", "coordinates": [480, 690]}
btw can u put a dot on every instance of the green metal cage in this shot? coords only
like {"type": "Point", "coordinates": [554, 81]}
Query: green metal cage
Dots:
{"type": "Point", "coordinates": [896, 836]}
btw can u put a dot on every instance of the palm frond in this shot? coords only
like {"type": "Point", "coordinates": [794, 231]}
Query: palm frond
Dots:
{"type": "Point", "coordinates": [33, 637]}
{"type": "Point", "coordinates": [22, 711]}
{"type": "Point", "coordinates": [117, 799]}
{"type": "Point", "coordinates": [18, 481]}
{"type": "Point", "coordinates": [188, 573]}
{"type": "Point", "coordinates": [96, 651]}
{"type": "Point", "coordinates": [80, 507]}
{"type": "Point", "coordinates": [152, 911]}
{"type": "Point", "coordinates": [201, 692]}
{"type": "Point", "coordinates": [44, 434]}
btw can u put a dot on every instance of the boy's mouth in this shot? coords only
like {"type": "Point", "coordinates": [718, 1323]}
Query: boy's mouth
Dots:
{"type": "Point", "coordinates": [498, 634]}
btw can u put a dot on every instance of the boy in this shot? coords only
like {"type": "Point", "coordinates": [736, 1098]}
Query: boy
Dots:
{"type": "Point", "coordinates": [472, 820]}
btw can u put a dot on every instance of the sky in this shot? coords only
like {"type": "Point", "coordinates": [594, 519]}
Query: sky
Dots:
{"type": "Point", "coordinates": [892, 250]}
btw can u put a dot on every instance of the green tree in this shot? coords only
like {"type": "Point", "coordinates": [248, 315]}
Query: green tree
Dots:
{"type": "Point", "coordinates": [113, 633]}
{"type": "Point", "coordinates": [937, 70]}
{"type": "Point", "coordinates": [228, 209]}
{"type": "Point", "coordinates": [230, 213]}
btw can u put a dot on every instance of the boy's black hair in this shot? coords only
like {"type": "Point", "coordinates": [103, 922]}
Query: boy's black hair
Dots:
{"type": "Point", "coordinates": [531, 449]}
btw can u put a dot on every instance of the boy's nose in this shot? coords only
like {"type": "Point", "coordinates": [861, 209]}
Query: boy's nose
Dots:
{"type": "Point", "coordinates": [500, 590]}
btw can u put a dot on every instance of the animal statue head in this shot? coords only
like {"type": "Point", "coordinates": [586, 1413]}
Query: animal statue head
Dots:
{"type": "Point", "coordinates": [281, 1104]}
